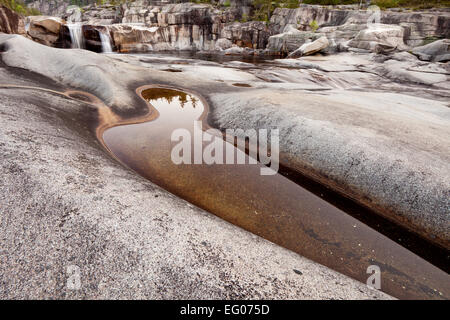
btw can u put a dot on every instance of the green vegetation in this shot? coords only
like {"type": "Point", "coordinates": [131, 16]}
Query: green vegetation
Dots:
{"type": "Point", "coordinates": [20, 7]}
{"type": "Point", "coordinates": [81, 3]}
{"type": "Point", "coordinates": [265, 8]}
{"type": "Point", "coordinates": [291, 4]}
{"type": "Point", "coordinates": [202, 1]}
{"type": "Point", "coordinates": [244, 18]}
{"type": "Point", "coordinates": [314, 25]}
{"type": "Point", "coordinates": [101, 2]}
{"type": "Point", "coordinates": [413, 4]}
{"type": "Point", "coordinates": [428, 40]}
{"type": "Point", "coordinates": [332, 2]}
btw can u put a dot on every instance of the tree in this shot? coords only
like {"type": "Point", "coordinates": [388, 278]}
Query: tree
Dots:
{"type": "Point", "coordinates": [265, 8]}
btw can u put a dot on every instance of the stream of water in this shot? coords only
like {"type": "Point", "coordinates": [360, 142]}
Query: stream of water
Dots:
{"type": "Point", "coordinates": [106, 42]}
{"type": "Point", "coordinates": [76, 35]}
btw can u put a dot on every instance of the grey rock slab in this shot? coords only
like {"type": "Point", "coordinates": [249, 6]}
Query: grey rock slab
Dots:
{"type": "Point", "coordinates": [387, 150]}
{"type": "Point", "coordinates": [438, 51]}
{"type": "Point", "coordinates": [68, 207]}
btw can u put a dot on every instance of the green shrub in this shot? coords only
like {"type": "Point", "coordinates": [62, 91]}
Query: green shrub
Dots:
{"type": "Point", "coordinates": [291, 4]}
{"type": "Point", "coordinates": [416, 4]}
{"type": "Point", "coordinates": [429, 40]}
{"type": "Point", "coordinates": [314, 25]}
{"type": "Point", "coordinates": [331, 2]}
{"type": "Point", "coordinates": [383, 4]}
{"type": "Point", "coordinates": [20, 7]}
{"type": "Point", "coordinates": [423, 4]}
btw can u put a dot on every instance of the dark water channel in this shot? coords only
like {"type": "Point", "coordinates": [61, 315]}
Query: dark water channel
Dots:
{"type": "Point", "coordinates": [271, 206]}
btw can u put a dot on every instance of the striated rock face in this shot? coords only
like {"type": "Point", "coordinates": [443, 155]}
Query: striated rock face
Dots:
{"type": "Point", "coordinates": [290, 39]}
{"type": "Point", "coordinates": [253, 34]}
{"type": "Point", "coordinates": [55, 8]}
{"type": "Point", "coordinates": [103, 14]}
{"type": "Point", "coordinates": [344, 24]}
{"type": "Point", "coordinates": [11, 22]}
{"type": "Point", "coordinates": [149, 25]}
{"type": "Point", "coordinates": [304, 15]}
{"type": "Point", "coordinates": [187, 26]}
{"type": "Point", "coordinates": [50, 7]}
{"type": "Point", "coordinates": [420, 26]}
{"type": "Point", "coordinates": [184, 26]}
{"type": "Point", "coordinates": [379, 38]}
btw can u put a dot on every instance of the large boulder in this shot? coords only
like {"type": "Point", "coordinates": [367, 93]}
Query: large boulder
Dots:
{"type": "Point", "coordinates": [223, 44]}
{"type": "Point", "coordinates": [379, 38]}
{"type": "Point", "coordinates": [44, 29]}
{"type": "Point", "coordinates": [310, 48]}
{"type": "Point", "coordinates": [290, 39]}
{"type": "Point", "coordinates": [11, 22]}
{"type": "Point", "coordinates": [437, 51]}
{"type": "Point", "coordinates": [342, 33]}
{"type": "Point", "coordinates": [131, 38]}
{"type": "Point", "coordinates": [185, 13]}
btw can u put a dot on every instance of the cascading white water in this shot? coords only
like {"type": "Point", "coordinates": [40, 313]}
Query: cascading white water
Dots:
{"type": "Point", "coordinates": [76, 35]}
{"type": "Point", "coordinates": [106, 42]}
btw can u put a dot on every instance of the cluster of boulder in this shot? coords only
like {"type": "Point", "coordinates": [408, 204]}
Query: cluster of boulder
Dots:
{"type": "Point", "coordinates": [149, 25]}
{"type": "Point", "coordinates": [310, 29]}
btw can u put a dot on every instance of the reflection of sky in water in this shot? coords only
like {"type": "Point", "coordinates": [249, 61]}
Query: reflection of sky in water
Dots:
{"type": "Point", "coordinates": [176, 109]}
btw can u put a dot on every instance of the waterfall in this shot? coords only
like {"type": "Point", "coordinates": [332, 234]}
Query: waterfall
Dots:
{"type": "Point", "coordinates": [106, 42]}
{"type": "Point", "coordinates": [76, 35]}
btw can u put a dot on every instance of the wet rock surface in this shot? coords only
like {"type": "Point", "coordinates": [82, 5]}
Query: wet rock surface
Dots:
{"type": "Point", "coordinates": [147, 25]}
{"type": "Point", "coordinates": [367, 124]}
{"type": "Point", "coordinates": [66, 204]}
{"type": "Point", "coordinates": [340, 82]}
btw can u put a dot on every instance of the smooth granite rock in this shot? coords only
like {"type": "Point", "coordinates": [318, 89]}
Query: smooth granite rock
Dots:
{"type": "Point", "coordinates": [342, 123]}
{"type": "Point", "coordinates": [69, 211]}
{"type": "Point", "coordinates": [438, 51]}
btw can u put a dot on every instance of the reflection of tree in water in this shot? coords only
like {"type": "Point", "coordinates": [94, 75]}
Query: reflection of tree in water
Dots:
{"type": "Point", "coordinates": [168, 95]}
{"type": "Point", "coordinates": [182, 99]}
{"type": "Point", "coordinates": [194, 101]}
